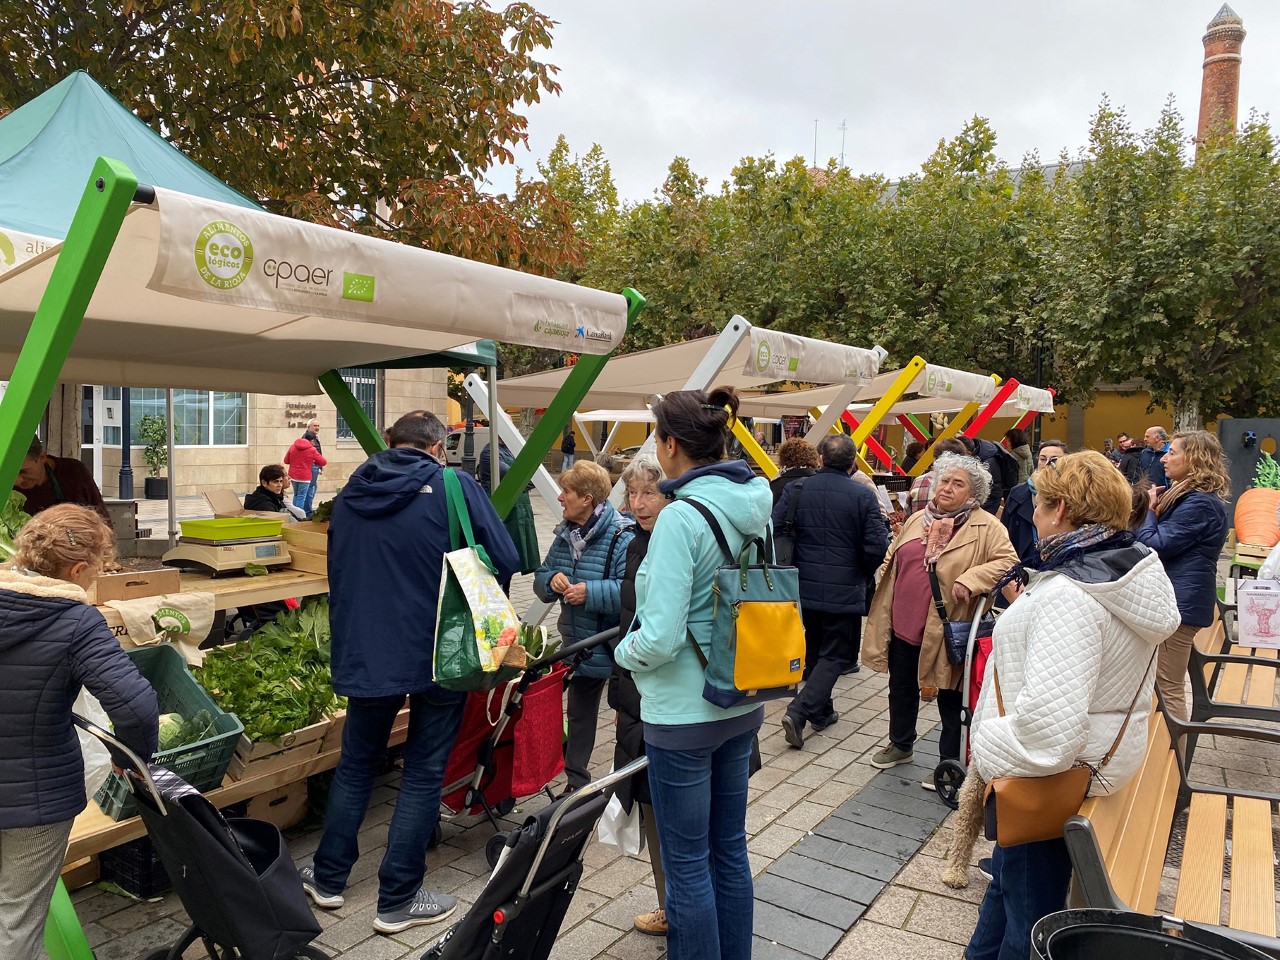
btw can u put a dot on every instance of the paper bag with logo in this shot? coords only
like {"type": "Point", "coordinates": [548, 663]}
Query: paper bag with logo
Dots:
{"type": "Point", "coordinates": [475, 622]}
{"type": "Point", "coordinates": [1258, 613]}
{"type": "Point", "coordinates": [184, 619]}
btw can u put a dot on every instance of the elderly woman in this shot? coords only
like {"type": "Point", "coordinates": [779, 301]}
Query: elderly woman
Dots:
{"type": "Point", "coordinates": [797, 458]}
{"type": "Point", "coordinates": [1071, 660]}
{"type": "Point", "coordinates": [1186, 525]}
{"type": "Point", "coordinates": [968, 550]}
{"type": "Point", "coordinates": [583, 572]}
{"type": "Point", "coordinates": [645, 501]}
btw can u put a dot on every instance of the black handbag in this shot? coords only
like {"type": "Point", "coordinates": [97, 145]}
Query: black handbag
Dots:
{"type": "Point", "coordinates": [955, 633]}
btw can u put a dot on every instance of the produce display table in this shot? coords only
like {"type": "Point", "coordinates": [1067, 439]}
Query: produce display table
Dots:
{"type": "Point", "coordinates": [94, 831]}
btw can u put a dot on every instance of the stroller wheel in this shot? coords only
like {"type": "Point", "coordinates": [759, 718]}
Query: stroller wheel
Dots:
{"type": "Point", "coordinates": [493, 848]}
{"type": "Point", "coordinates": [948, 776]}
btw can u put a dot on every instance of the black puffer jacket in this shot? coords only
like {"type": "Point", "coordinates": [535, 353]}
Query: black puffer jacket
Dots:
{"type": "Point", "coordinates": [841, 538]}
{"type": "Point", "coordinates": [623, 695]}
{"type": "Point", "coordinates": [52, 643]}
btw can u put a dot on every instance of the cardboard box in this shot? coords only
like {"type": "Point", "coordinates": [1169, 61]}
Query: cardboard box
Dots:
{"type": "Point", "coordinates": [1258, 613]}
{"type": "Point", "coordinates": [225, 504]}
{"type": "Point", "coordinates": [135, 584]}
{"type": "Point", "coordinates": [283, 806]}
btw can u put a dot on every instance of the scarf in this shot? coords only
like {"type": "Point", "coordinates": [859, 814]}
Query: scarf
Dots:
{"type": "Point", "coordinates": [579, 532]}
{"type": "Point", "coordinates": [940, 527]}
{"type": "Point", "coordinates": [1172, 495]}
{"type": "Point", "coordinates": [1053, 552]}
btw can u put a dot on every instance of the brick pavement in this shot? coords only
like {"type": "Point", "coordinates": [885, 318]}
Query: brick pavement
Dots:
{"type": "Point", "coordinates": [847, 859]}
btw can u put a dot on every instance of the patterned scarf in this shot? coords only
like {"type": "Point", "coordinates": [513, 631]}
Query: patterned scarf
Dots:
{"type": "Point", "coordinates": [579, 532]}
{"type": "Point", "coordinates": [1172, 495]}
{"type": "Point", "coordinates": [1055, 551]}
{"type": "Point", "coordinates": [940, 527]}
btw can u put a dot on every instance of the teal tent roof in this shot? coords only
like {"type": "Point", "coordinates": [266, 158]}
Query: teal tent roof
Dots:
{"type": "Point", "coordinates": [48, 147]}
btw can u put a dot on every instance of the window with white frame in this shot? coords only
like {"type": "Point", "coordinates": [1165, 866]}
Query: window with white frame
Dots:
{"type": "Point", "coordinates": [363, 382]}
{"type": "Point", "coordinates": [201, 418]}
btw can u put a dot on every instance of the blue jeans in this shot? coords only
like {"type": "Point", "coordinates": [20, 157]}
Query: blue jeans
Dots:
{"type": "Point", "coordinates": [434, 718]}
{"type": "Point", "coordinates": [567, 462]}
{"type": "Point", "coordinates": [311, 490]}
{"type": "Point", "coordinates": [710, 897]}
{"type": "Point", "coordinates": [303, 491]}
{"type": "Point", "coordinates": [1028, 882]}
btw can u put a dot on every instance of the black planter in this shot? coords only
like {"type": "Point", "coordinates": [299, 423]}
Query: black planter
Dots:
{"type": "Point", "coordinates": [156, 488]}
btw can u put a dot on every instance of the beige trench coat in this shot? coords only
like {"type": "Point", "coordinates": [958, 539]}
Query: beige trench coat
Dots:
{"type": "Point", "coordinates": [977, 556]}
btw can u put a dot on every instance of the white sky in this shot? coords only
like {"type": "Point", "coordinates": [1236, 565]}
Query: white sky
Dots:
{"type": "Point", "coordinates": [715, 81]}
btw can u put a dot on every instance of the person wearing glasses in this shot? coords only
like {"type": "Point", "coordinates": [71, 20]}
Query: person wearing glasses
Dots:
{"type": "Point", "coordinates": [269, 497]}
{"type": "Point", "coordinates": [1018, 506]}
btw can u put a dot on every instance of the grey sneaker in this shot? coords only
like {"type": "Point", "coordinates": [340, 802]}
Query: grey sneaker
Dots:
{"type": "Point", "coordinates": [424, 908]}
{"type": "Point", "coordinates": [325, 901]}
{"type": "Point", "coordinates": [891, 756]}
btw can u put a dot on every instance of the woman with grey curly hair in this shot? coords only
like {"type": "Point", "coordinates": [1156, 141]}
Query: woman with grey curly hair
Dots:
{"type": "Point", "coordinates": [967, 550]}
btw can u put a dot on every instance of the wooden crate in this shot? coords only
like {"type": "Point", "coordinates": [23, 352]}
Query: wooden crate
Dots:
{"type": "Point", "coordinates": [253, 759]}
{"type": "Point", "coordinates": [333, 737]}
{"type": "Point", "coordinates": [284, 806]}
{"type": "Point", "coordinates": [1254, 551]}
{"type": "Point", "coordinates": [81, 872]}
{"type": "Point", "coordinates": [308, 561]}
{"type": "Point", "coordinates": [399, 729]}
{"type": "Point", "coordinates": [307, 536]}
{"type": "Point", "coordinates": [135, 584]}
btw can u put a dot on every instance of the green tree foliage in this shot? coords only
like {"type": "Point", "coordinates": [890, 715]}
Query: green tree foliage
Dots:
{"type": "Point", "coordinates": [329, 111]}
{"type": "Point", "coordinates": [1169, 270]}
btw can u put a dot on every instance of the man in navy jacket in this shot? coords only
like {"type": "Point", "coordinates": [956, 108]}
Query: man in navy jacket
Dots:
{"type": "Point", "coordinates": [387, 540]}
{"type": "Point", "coordinates": [840, 541]}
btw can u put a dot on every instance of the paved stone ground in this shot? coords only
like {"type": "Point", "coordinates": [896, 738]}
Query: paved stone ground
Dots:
{"type": "Point", "coordinates": [847, 859]}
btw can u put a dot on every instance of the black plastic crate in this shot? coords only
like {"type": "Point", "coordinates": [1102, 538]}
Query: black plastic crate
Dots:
{"type": "Point", "coordinates": [135, 868]}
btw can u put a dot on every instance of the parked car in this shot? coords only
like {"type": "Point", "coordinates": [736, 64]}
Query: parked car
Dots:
{"type": "Point", "coordinates": [454, 443]}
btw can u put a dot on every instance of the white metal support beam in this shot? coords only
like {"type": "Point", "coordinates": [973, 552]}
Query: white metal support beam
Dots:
{"type": "Point", "coordinates": [822, 426]}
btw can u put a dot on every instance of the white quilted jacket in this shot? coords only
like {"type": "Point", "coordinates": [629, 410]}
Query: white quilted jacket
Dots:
{"type": "Point", "coordinates": [1071, 654]}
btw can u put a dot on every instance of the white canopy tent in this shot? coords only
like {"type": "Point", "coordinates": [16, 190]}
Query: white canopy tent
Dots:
{"type": "Point", "coordinates": [616, 417]}
{"type": "Point", "coordinates": [205, 295]}
{"type": "Point", "coordinates": [1025, 399]}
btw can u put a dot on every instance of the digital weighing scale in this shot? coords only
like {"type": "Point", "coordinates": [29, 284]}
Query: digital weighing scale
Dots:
{"type": "Point", "coordinates": [226, 556]}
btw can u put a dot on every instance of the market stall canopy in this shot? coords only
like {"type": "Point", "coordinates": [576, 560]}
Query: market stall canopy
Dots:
{"type": "Point", "coordinates": [49, 144]}
{"type": "Point", "coordinates": [764, 356]}
{"type": "Point", "coordinates": [206, 295]}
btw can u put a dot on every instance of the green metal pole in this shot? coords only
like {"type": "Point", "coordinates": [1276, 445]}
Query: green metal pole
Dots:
{"type": "Point", "coordinates": [351, 410]}
{"type": "Point", "coordinates": [553, 422]}
{"type": "Point", "coordinates": [75, 276]}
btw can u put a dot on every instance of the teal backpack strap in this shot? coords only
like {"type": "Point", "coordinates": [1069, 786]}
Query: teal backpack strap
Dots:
{"type": "Point", "coordinates": [460, 517]}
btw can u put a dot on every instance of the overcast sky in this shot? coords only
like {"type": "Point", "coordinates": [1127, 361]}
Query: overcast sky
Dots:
{"type": "Point", "coordinates": [715, 81]}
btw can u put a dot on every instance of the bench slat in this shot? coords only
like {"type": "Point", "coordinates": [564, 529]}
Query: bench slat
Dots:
{"type": "Point", "coordinates": [1108, 813]}
{"type": "Point", "coordinates": [1262, 681]}
{"type": "Point", "coordinates": [1253, 903]}
{"type": "Point", "coordinates": [1200, 877]}
{"type": "Point", "coordinates": [1231, 683]}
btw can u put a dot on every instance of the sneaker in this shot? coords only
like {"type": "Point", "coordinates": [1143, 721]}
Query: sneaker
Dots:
{"type": "Point", "coordinates": [984, 867]}
{"type": "Point", "coordinates": [424, 908]}
{"type": "Point", "coordinates": [891, 756]}
{"type": "Point", "coordinates": [325, 901]}
{"type": "Point", "coordinates": [653, 924]}
{"type": "Point", "coordinates": [830, 719]}
{"type": "Point", "coordinates": [793, 730]}
{"type": "Point", "coordinates": [928, 784]}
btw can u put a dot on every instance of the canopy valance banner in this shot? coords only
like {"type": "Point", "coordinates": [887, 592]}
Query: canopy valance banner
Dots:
{"type": "Point", "coordinates": [221, 254]}
{"type": "Point", "coordinates": [784, 356]}
{"type": "Point", "coordinates": [1029, 399]}
{"type": "Point", "coordinates": [946, 383]}
{"type": "Point", "coordinates": [17, 247]}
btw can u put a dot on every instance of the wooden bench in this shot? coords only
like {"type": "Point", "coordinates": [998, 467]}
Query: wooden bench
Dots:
{"type": "Point", "coordinates": [1118, 843]}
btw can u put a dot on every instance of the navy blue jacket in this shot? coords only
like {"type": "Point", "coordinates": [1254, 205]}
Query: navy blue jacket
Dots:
{"type": "Point", "coordinates": [1003, 468]}
{"type": "Point", "coordinates": [841, 539]}
{"type": "Point", "coordinates": [1188, 540]}
{"type": "Point", "coordinates": [1017, 519]}
{"type": "Point", "coordinates": [1149, 462]}
{"type": "Point", "coordinates": [602, 609]}
{"type": "Point", "coordinates": [50, 645]}
{"type": "Point", "coordinates": [387, 539]}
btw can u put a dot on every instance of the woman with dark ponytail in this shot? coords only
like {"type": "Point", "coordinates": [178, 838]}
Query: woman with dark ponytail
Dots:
{"type": "Point", "coordinates": [698, 753]}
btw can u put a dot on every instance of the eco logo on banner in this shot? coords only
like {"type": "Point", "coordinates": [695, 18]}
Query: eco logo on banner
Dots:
{"type": "Point", "coordinates": [224, 254]}
{"type": "Point", "coordinates": [6, 250]}
{"type": "Point", "coordinates": [763, 357]}
{"type": "Point", "coordinates": [357, 286]}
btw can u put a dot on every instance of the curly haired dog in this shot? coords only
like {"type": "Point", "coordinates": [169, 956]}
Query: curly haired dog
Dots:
{"type": "Point", "coordinates": [965, 829]}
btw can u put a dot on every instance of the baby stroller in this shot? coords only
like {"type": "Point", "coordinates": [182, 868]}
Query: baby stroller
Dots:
{"type": "Point", "coordinates": [518, 914]}
{"type": "Point", "coordinates": [496, 761]}
{"type": "Point", "coordinates": [235, 877]}
{"type": "Point", "coordinates": [948, 775]}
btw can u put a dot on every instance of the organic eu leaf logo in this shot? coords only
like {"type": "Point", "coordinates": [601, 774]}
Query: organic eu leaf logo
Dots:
{"type": "Point", "coordinates": [792, 364]}
{"type": "Point", "coordinates": [357, 286]}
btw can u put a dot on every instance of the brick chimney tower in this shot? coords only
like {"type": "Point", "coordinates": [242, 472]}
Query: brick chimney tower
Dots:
{"type": "Point", "coordinates": [1220, 86]}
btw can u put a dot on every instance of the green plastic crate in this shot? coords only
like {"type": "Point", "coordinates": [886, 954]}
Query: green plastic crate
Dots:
{"type": "Point", "coordinates": [231, 528]}
{"type": "Point", "coordinates": [203, 763]}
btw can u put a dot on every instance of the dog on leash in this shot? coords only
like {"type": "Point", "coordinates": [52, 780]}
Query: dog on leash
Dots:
{"type": "Point", "coordinates": [965, 829]}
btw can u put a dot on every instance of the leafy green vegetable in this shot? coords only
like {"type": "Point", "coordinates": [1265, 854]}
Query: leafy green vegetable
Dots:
{"type": "Point", "coordinates": [255, 570]}
{"type": "Point", "coordinates": [1267, 475]}
{"type": "Point", "coordinates": [12, 517]}
{"type": "Point", "coordinates": [171, 727]}
{"type": "Point", "coordinates": [322, 513]}
{"type": "Point", "coordinates": [175, 731]}
{"type": "Point", "coordinates": [278, 680]}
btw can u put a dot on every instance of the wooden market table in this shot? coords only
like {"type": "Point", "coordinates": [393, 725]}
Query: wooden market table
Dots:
{"type": "Point", "coordinates": [94, 831]}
